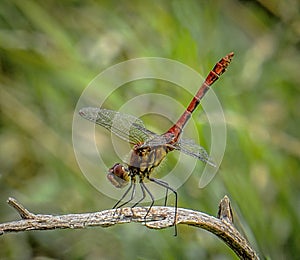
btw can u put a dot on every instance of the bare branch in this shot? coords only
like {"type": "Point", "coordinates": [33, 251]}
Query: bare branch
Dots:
{"type": "Point", "coordinates": [225, 211]}
{"type": "Point", "coordinates": [158, 218]}
{"type": "Point", "coordinates": [24, 213]}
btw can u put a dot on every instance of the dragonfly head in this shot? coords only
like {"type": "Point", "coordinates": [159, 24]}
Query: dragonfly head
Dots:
{"type": "Point", "coordinates": [118, 175]}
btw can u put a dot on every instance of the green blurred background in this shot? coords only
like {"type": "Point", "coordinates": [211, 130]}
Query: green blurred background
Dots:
{"type": "Point", "coordinates": [50, 51]}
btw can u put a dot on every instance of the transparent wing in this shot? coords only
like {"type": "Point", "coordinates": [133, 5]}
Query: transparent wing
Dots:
{"type": "Point", "coordinates": [127, 127]}
{"type": "Point", "coordinates": [153, 139]}
{"type": "Point", "coordinates": [189, 147]}
{"type": "Point", "coordinates": [157, 140]}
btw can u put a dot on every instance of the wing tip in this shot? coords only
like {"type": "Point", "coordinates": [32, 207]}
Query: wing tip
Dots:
{"type": "Point", "coordinates": [211, 163]}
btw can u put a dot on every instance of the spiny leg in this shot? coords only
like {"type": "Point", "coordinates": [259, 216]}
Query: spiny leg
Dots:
{"type": "Point", "coordinates": [143, 196]}
{"type": "Point", "coordinates": [131, 197]}
{"type": "Point", "coordinates": [143, 187]}
{"type": "Point", "coordinates": [166, 185]}
{"type": "Point", "coordinates": [132, 186]}
{"type": "Point", "coordinates": [166, 196]}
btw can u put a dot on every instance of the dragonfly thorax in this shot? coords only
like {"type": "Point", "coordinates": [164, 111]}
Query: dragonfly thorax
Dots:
{"type": "Point", "coordinates": [143, 160]}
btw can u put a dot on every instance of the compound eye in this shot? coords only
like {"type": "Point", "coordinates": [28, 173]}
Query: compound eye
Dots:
{"type": "Point", "coordinates": [118, 175]}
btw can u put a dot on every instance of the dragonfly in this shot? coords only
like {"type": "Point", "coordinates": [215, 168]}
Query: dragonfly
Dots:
{"type": "Point", "coordinates": [149, 148]}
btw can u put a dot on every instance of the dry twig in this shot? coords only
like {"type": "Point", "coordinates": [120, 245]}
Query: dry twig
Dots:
{"type": "Point", "coordinates": [158, 218]}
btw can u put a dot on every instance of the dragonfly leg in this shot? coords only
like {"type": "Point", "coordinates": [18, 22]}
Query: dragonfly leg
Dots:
{"type": "Point", "coordinates": [131, 187]}
{"type": "Point", "coordinates": [144, 188]}
{"type": "Point", "coordinates": [143, 196]}
{"type": "Point", "coordinates": [166, 185]}
{"type": "Point", "coordinates": [117, 206]}
{"type": "Point", "coordinates": [167, 190]}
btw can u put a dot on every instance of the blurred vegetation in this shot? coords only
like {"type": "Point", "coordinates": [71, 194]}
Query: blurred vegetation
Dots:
{"type": "Point", "coordinates": [49, 52]}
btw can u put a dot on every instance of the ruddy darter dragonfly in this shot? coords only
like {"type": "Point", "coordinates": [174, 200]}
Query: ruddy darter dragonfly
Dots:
{"type": "Point", "coordinates": [149, 148]}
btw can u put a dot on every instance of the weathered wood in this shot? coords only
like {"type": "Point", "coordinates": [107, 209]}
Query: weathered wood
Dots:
{"type": "Point", "coordinates": [158, 218]}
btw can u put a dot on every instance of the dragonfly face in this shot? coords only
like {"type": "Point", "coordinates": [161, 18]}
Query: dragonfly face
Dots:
{"type": "Point", "coordinates": [118, 175]}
